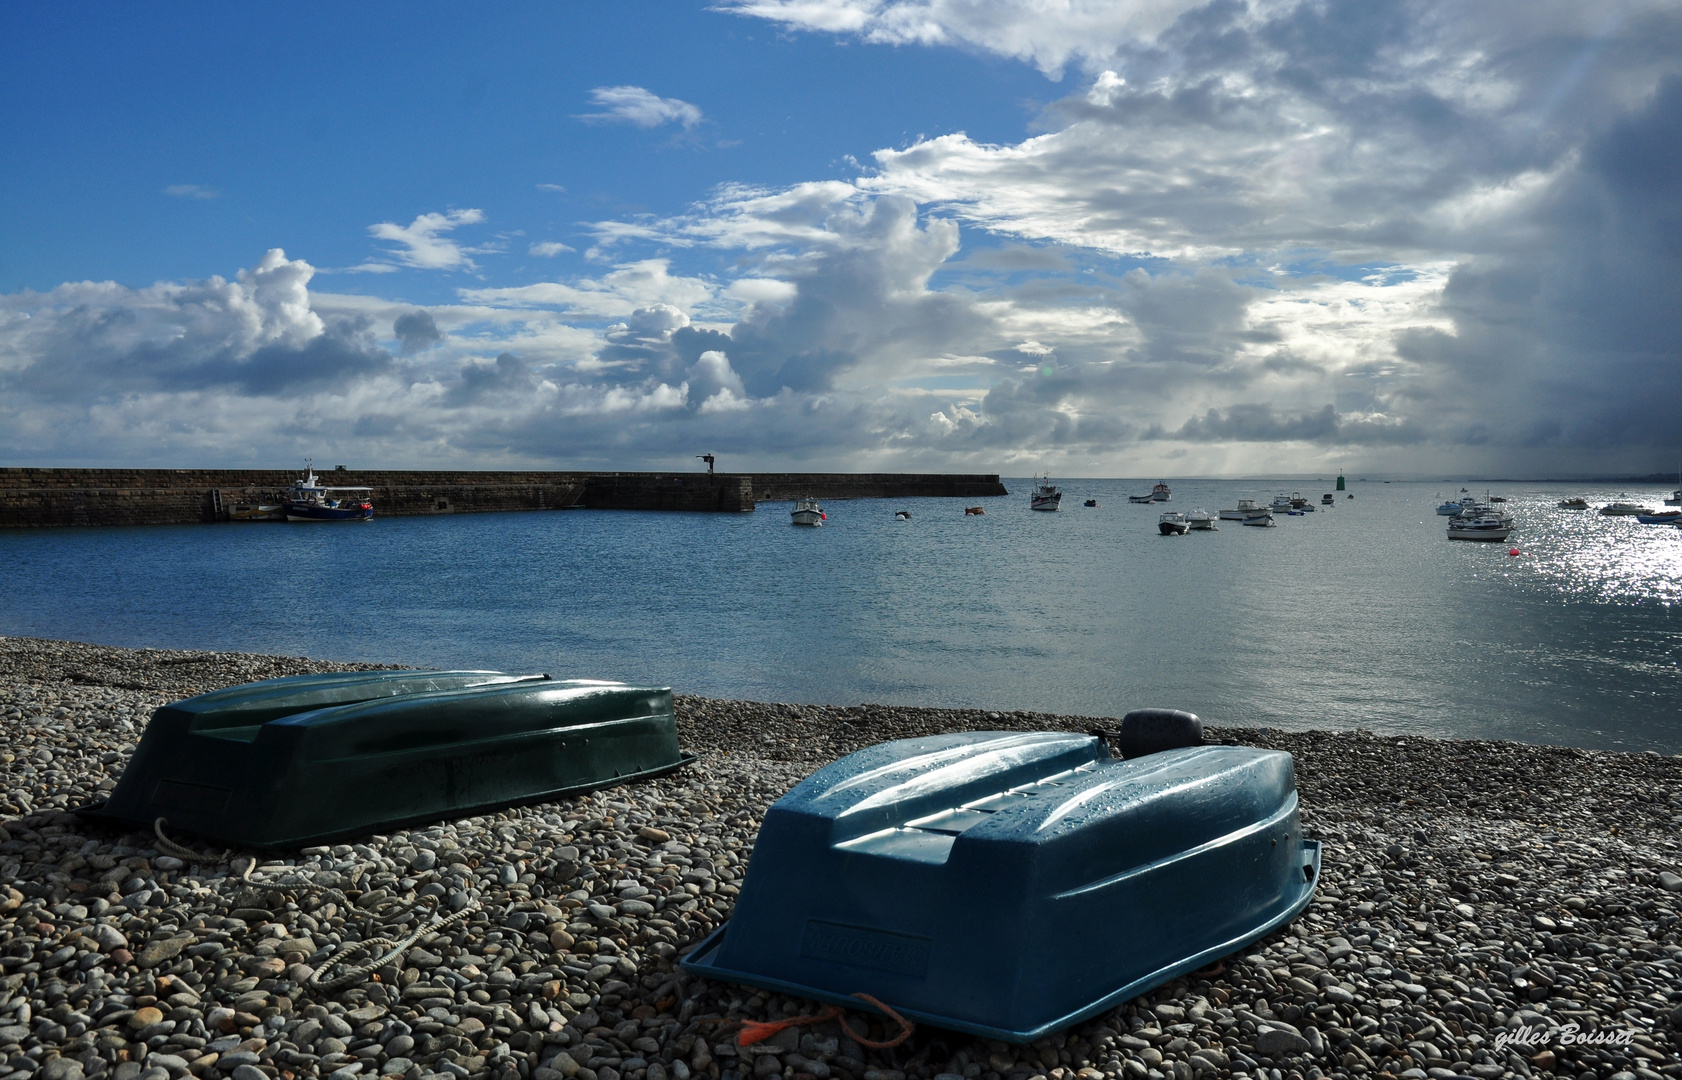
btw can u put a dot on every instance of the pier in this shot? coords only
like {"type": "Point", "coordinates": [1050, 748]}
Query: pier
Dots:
{"type": "Point", "coordinates": [43, 497]}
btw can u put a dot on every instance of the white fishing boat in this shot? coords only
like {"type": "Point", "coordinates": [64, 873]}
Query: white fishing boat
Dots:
{"type": "Point", "coordinates": [807, 512]}
{"type": "Point", "coordinates": [1281, 504]}
{"type": "Point", "coordinates": [1160, 492]}
{"type": "Point", "coordinates": [1140, 499]}
{"type": "Point", "coordinates": [1482, 527]}
{"type": "Point", "coordinates": [1201, 519]}
{"type": "Point", "coordinates": [1328, 499]}
{"type": "Point", "coordinates": [1245, 508]}
{"type": "Point", "coordinates": [1045, 495]}
{"type": "Point", "coordinates": [1173, 523]}
{"type": "Point", "coordinates": [1262, 518]}
{"type": "Point", "coordinates": [310, 500]}
{"type": "Point", "coordinates": [1624, 509]}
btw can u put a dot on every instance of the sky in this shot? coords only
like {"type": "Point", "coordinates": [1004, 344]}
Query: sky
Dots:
{"type": "Point", "coordinates": [1090, 237]}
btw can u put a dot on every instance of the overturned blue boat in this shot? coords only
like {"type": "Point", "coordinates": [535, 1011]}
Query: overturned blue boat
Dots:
{"type": "Point", "coordinates": [296, 761]}
{"type": "Point", "coordinates": [1010, 884]}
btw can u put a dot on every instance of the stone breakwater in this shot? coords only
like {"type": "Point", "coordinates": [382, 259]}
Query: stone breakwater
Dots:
{"type": "Point", "coordinates": [1486, 910]}
{"type": "Point", "coordinates": [78, 497]}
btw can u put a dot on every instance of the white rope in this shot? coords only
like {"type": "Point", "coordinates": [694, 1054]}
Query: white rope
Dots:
{"type": "Point", "coordinates": [396, 948]}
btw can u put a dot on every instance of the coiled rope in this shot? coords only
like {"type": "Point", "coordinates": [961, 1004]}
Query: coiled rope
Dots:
{"type": "Point", "coordinates": [395, 947]}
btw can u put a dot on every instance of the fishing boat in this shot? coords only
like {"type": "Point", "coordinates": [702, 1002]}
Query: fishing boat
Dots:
{"type": "Point", "coordinates": [1261, 517]}
{"type": "Point", "coordinates": [1624, 509]}
{"type": "Point", "coordinates": [1145, 499]}
{"type": "Point", "coordinates": [1298, 500]}
{"type": "Point", "coordinates": [1172, 523]}
{"type": "Point", "coordinates": [1160, 492]}
{"type": "Point", "coordinates": [1664, 517]}
{"type": "Point", "coordinates": [807, 512]}
{"type": "Point", "coordinates": [296, 761]}
{"type": "Point", "coordinates": [1455, 506]}
{"type": "Point", "coordinates": [1574, 503]}
{"type": "Point", "coordinates": [1675, 498]}
{"type": "Point", "coordinates": [1245, 508]}
{"type": "Point", "coordinates": [1281, 504]}
{"type": "Point", "coordinates": [1328, 499]}
{"type": "Point", "coordinates": [1045, 495]}
{"type": "Point", "coordinates": [1482, 527]}
{"type": "Point", "coordinates": [1201, 519]}
{"type": "Point", "coordinates": [1011, 884]}
{"type": "Point", "coordinates": [309, 499]}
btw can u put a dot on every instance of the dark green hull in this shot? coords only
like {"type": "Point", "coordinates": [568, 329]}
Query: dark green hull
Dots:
{"type": "Point", "coordinates": [298, 761]}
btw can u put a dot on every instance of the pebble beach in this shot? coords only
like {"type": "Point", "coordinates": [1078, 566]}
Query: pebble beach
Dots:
{"type": "Point", "coordinates": [1485, 909]}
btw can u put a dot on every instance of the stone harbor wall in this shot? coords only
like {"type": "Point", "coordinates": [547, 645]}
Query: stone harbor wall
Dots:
{"type": "Point", "coordinates": [71, 497]}
{"type": "Point", "coordinates": [1485, 909]}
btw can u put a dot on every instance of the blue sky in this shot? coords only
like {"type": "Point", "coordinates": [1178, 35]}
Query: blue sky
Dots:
{"type": "Point", "coordinates": [1098, 238]}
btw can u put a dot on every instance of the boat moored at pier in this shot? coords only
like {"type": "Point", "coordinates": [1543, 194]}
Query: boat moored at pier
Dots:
{"type": "Point", "coordinates": [311, 500]}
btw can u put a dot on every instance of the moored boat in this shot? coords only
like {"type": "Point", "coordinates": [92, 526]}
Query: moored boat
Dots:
{"type": "Point", "coordinates": [902, 515]}
{"type": "Point", "coordinates": [1261, 517]}
{"type": "Point", "coordinates": [256, 511]}
{"type": "Point", "coordinates": [1298, 500]}
{"type": "Point", "coordinates": [309, 499]}
{"type": "Point", "coordinates": [1664, 517]}
{"type": "Point", "coordinates": [1160, 492]}
{"type": "Point", "coordinates": [1140, 499]}
{"type": "Point", "coordinates": [1092, 502]}
{"type": "Point", "coordinates": [1045, 495]}
{"type": "Point", "coordinates": [807, 512]}
{"type": "Point", "coordinates": [1201, 519]}
{"type": "Point", "coordinates": [1482, 527]}
{"type": "Point", "coordinates": [1328, 499]}
{"type": "Point", "coordinates": [1245, 508]}
{"type": "Point", "coordinates": [295, 761]}
{"type": "Point", "coordinates": [1574, 503]}
{"type": "Point", "coordinates": [1281, 504]}
{"type": "Point", "coordinates": [1173, 523]}
{"type": "Point", "coordinates": [1624, 509]}
{"type": "Point", "coordinates": [979, 868]}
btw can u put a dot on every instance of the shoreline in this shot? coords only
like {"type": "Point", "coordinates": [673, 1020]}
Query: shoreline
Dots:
{"type": "Point", "coordinates": [1471, 891]}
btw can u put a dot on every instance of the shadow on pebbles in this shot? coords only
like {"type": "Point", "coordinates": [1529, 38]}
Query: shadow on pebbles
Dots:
{"type": "Point", "coordinates": [1487, 909]}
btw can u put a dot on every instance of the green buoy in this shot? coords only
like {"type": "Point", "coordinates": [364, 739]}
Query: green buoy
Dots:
{"type": "Point", "coordinates": [1340, 481]}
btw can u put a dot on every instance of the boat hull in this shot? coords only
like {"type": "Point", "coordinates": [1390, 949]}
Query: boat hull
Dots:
{"type": "Point", "coordinates": [1051, 502]}
{"type": "Point", "coordinates": [997, 883]}
{"type": "Point", "coordinates": [301, 511]}
{"type": "Point", "coordinates": [1172, 528]}
{"type": "Point", "coordinates": [292, 762]}
{"type": "Point", "coordinates": [1478, 534]}
{"type": "Point", "coordinates": [807, 517]}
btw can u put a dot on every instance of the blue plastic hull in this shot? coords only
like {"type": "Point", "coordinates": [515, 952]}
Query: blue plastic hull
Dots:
{"type": "Point", "coordinates": [1009, 885]}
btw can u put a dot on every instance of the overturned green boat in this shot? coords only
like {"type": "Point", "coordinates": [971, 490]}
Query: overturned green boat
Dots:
{"type": "Point", "coordinates": [301, 760]}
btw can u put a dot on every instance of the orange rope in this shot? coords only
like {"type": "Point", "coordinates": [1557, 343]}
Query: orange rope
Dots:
{"type": "Point", "coordinates": [754, 1031]}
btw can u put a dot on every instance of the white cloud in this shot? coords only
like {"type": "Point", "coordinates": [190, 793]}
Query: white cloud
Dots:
{"type": "Point", "coordinates": [191, 191]}
{"type": "Point", "coordinates": [548, 248]}
{"type": "Point", "coordinates": [421, 243]}
{"type": "Point", "coordinates": [634, 105]}
{"type": "Point", "coordinates": [616, 294]}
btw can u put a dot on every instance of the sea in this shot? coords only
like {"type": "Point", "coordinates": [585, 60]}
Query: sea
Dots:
{"type": "Point", "coordinates": [1361, 615]}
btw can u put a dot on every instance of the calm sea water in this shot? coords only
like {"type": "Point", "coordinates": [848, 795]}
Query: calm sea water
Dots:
{"type": "Point", "coordinates": [1361, 616]}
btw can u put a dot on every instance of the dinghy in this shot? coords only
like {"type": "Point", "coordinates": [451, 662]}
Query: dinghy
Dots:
{"type": "Point", "coordinates": [1011, 884]}
{"type": "Point", "coordinates": [296, 761]}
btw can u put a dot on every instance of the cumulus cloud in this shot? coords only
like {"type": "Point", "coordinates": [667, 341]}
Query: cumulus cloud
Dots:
{"type": "Point", "coordinates": [548, 248]}
{"type": "Point", "coordinates": [421, 243]}
{"type": "Point", "coordinates": [645, 109]}
{"type": "Point", "coordinates": [416, 331]}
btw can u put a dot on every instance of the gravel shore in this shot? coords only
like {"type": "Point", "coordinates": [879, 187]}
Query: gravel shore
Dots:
{"type": "Point", "coordinates": [1486, 909]}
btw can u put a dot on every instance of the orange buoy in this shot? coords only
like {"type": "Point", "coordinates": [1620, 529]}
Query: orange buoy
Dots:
{"type": "Point", "coordinates": [1513, 551]}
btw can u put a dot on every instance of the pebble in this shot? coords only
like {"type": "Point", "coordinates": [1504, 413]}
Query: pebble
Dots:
{"type": "Point", "coordinates": [1469, 889]}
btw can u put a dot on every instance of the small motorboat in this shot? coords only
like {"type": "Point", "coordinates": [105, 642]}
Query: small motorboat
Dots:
{"type": "Point", "coordinates": [1453, 507]}
{"type": "Point", "coordinates": [1298, 500]}
{"type": "Point", "coordinates": [1160, 492]}
{"type": "Point", "coordinates": [1575, 503]}
{"type": "Point", "coordinates": [807, 512]}
{"type": "Point", "coordinates": [1245, 508]}
{"type": "Point", "coordinates": [1625, 509]}
{"type": "Point", "coordinates": [1675, 498]}
{"type": "Point", "coordinates": [296, 761]}
{"type": "Point", "coordinates": [1173, 523]}
{"type": "Point", "coordinates": [1092, 502]}
{"type": "Point", "coordinates": [1293, 513]}
{"type": "Point", "coordinates": [1145, 499]}
{"type": "Point", "coordinates": [1328, 499]}
{"type": "Point", "coordinates": [1281, 504]}
{"type": "Point", "coordinates": [902, 515]}
{"type": "Point", "coordinates": [256, 511]}
{"type": "Point", "coordinates": [1201, 519]}
{"type": "Point", "coordinates": [310, 500]}
{"type": "Point", "coordinates": [1663, 517]}
{"type": "Point", "coordinates": [1261, 517]}
{"type": "Point", "coordinates": [1045, 495]}
{"type": "Point", "coordinates": [975, 511]}
{"type": "Point", "coordinates": [1482, 527]}
{"type": "Point", "coordinates": [1497, 498]}
{"type": "Point", "coordinates": [1011, 884]}
{"type": "Point", "coordinates": [1351, 495]}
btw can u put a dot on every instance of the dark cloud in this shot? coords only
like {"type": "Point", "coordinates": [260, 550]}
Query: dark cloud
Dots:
{"type": "Point", "coordinates": [508, 374]}
{"type": "Point", "coordinates": [416, 331]}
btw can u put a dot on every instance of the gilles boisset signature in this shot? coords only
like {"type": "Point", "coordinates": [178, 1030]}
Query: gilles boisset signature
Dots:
{"type": "Point", "coordinates": [1570, 1034]}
